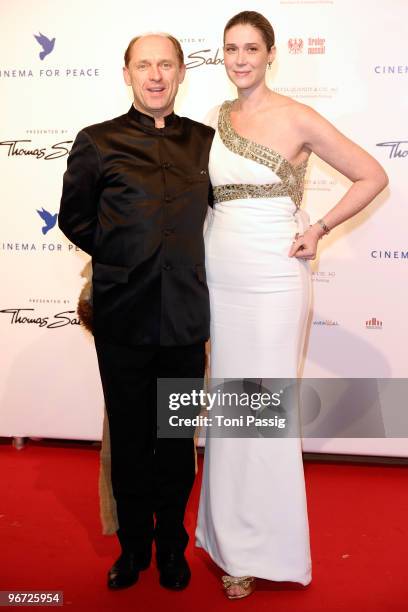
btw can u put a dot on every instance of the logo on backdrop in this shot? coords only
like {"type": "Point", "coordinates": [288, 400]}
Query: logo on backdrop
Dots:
{"type": "Point", "coordinates": [24, 148]}
{"type": "Point", "coordinates": [393, 69]}
{"type": "Point", "coordinates": [51, 248]}
{"type": "Point", "coordinates": [204, 56]}
{"type": "Point", "coordinates": [46, 44]}
{"type": "Point", "coordinates": [323, 276]}
{"type": "Point", "coordinates": [28, 316]}
{"type": "Point", "coordinates": [49, 220]}
{"type": "Point", "coordinates": [396, 149]}
{"type": "Point", "coordinates": [307, 91]}
{"type": "Point", "coordinates": [295, 45]}
{"type": "Point", "coordinates": [320, 184]}
{"type": "Point", "coordinates": [328, 322]}
{"type": "Point", "coordinates": [315, 46]}
{"type": "Point", "coordinates": [373, 323]}
{"type": "Point", "coordinates": [387, 255]}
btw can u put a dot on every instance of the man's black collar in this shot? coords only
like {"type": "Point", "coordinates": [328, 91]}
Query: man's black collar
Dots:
{"type": "Point", "coordinates": [148, 121]}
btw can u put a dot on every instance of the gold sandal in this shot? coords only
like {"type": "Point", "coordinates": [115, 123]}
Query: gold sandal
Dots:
{"type": "Point", "coordinates": [245, 583]}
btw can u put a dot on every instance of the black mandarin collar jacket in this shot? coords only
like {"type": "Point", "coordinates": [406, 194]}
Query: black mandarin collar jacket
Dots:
{"type": "Point", "coordinates": [135, 198]}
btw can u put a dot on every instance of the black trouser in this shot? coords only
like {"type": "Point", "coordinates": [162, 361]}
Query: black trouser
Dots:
{"type": "Point", "coordinates": [150, 475]}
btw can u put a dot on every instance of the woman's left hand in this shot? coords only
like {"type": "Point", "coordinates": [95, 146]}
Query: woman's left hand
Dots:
{"type": "Point", "coordinates": [304, 246]}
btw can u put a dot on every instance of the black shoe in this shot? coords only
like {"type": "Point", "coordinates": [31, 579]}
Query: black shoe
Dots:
{"type": "Point", "coordinates": [125, 571]}
{"type": "Point", "coordinates": [174, 570]}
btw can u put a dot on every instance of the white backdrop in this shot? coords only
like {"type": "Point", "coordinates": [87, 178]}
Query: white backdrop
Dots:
{"type": "Point", "coordinates": [344, 58]}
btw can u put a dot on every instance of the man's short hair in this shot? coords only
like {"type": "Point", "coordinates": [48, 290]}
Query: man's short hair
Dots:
{"type": "Point", "coordinates": [174, 41]}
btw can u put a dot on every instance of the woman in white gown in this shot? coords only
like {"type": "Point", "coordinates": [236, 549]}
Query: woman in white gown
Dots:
{"type": "Point", "coordinates": [253, 516]}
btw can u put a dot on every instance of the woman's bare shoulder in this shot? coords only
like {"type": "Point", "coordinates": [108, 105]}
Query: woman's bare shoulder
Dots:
{"type": "Point", "coordinates": [291, 106]}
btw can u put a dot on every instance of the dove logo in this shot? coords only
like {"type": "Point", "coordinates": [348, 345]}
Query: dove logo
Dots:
{"type": "Point", "coordinates": [46, 44]}
{"type": "Point", "coordinates": [49, 220]}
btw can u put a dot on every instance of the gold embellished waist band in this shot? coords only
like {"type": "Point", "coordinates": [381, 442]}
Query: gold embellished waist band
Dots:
{"type": "Point", "coordinates": [224, 193]}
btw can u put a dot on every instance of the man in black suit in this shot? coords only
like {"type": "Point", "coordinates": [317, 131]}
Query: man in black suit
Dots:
{"type": "Point", "coordinates": [135, 196]}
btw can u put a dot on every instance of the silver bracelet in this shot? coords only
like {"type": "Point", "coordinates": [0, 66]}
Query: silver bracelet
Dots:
{"type": "Point", "coordinates": [323, 226]}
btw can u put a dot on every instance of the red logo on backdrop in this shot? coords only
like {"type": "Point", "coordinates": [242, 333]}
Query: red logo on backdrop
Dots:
{"type": "Point", "coordinates": [295, 45]}
{"type": "Point", "coordinates": [374, 323]}
{"type": "Point", "coordinates": [316, 46]}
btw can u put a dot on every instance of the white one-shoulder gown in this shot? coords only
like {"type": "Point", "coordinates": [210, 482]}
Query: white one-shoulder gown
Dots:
{"type": "Point", "coordinates": [253, 517]}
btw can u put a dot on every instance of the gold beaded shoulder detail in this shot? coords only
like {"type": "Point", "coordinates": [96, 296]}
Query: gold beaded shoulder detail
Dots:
{"type": "Point", "coordinates": [292, 177]}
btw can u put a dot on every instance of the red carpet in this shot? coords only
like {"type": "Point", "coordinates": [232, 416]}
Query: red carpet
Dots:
{"type": "Point", "coordinates": [51, 540]}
